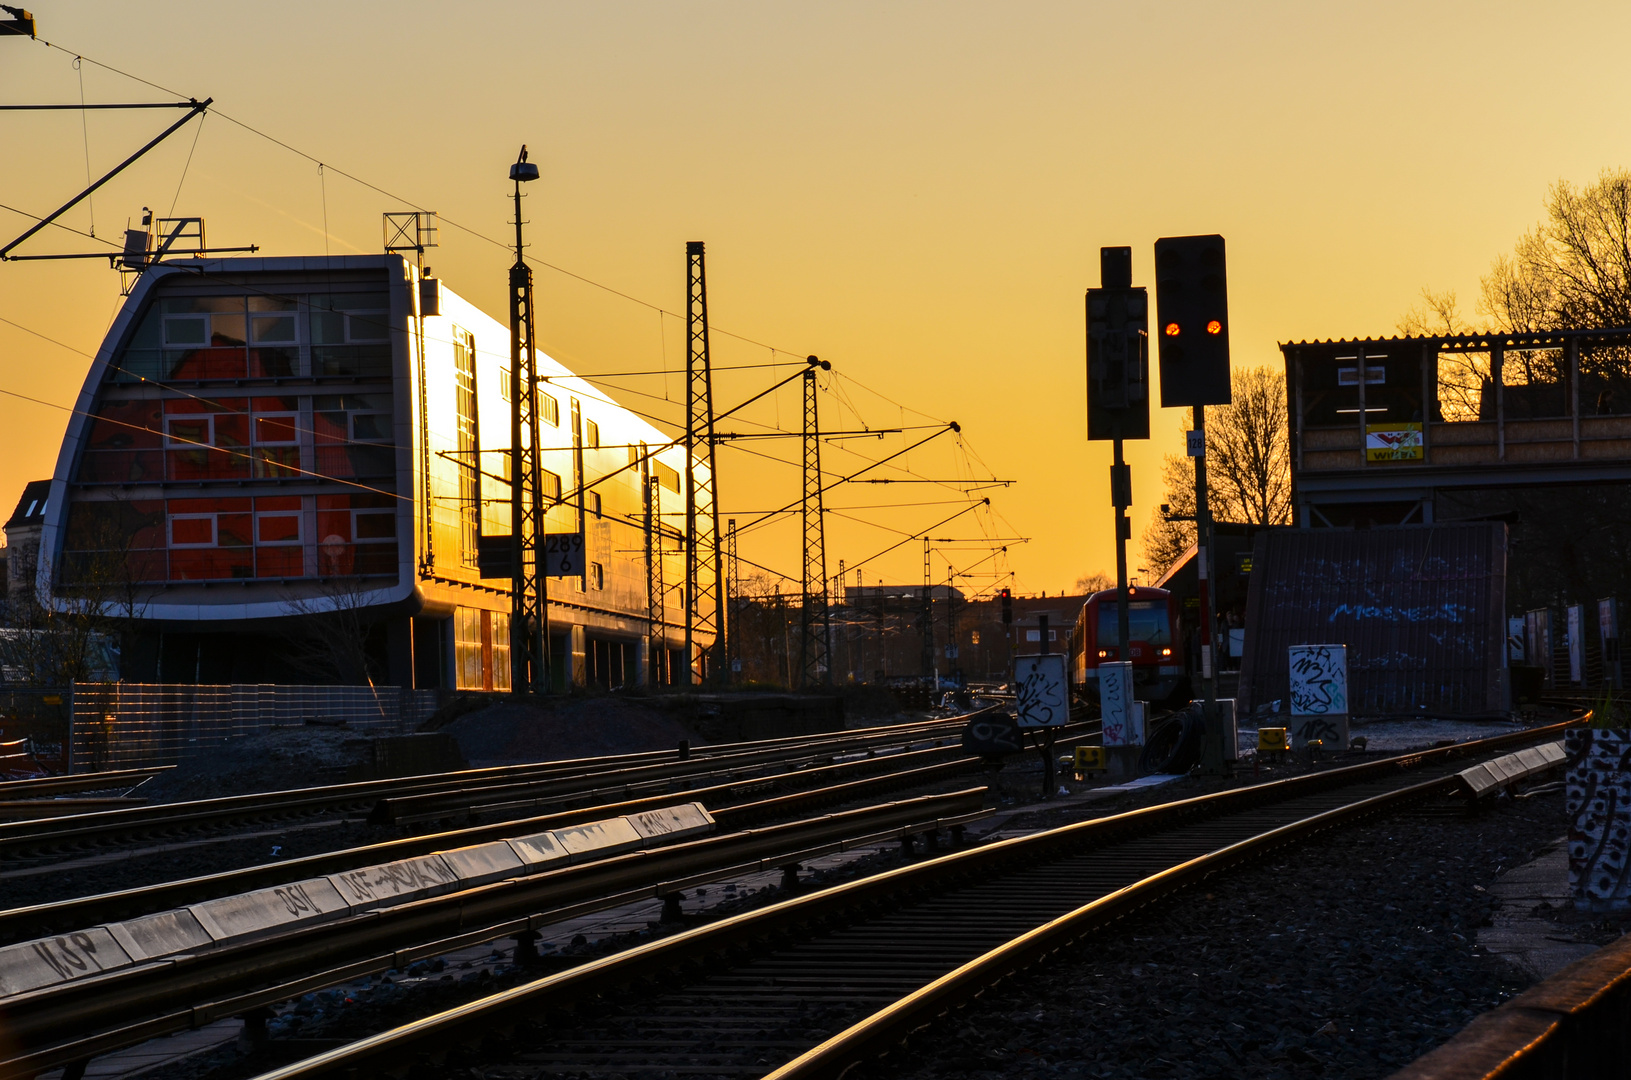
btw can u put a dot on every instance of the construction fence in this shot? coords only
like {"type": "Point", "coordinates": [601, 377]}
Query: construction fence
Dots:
{"type": "Point", "coordinates": [134, 725]}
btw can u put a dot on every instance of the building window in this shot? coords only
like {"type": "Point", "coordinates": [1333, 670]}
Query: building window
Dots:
{"type": "Point", "coordinates": [210, 539]}
{"type": "Point", "coordinates": [592, 435]}
{"type": "Point", "coordinates": [550, 485]}
{"type": "Point", "coordinates": [504, 378]}
{"type": "Point", "coordinates": [353, 435]}
{"type": "Point", "coordinates": [464, 365]}
{"type": "Point", "coordinates": [356, 534]}
{"type": "Point", "coordinates": [597, 576]}
{"type": "Point", "coordinates": [279, 537]}
{"type": "Point", "coordinates": [667, 477]}
{"type": "Point", "coordinates": [467, 651]}
{"type": "Point", "coordinates": [549, 410]}
{"type": "Point", "coordinates": [594, 503]}
{"type": "Point", "coordinates": [274, 433]}
{"type": "Point", "coordinates": [206, 440]}
{"type": "Point", "coordinates": [501, 650]}
{"type": "Point", "coordinates": [350, 335]}
{"type": "Point", "coordinates": [192, 530]}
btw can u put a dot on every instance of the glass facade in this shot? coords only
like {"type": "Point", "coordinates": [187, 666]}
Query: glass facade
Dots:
{"type": "Point", "coordinates": [257, 428]}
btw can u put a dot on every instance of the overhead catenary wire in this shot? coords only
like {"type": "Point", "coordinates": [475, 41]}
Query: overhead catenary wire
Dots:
{"type": "Point", "coordinates": [839, 390]}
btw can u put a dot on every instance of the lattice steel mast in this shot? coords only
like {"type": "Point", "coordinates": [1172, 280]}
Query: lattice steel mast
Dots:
{"type": "Point", "coordinates": [733, 601]}
{"type": "Point", "coordinates": [926, 616]}
{"type": "Point", "coordinates": [656, 636]}
{"type": "Point", "coordinates": [703, 611]}
{"type": "Point", "coordinates": [529, 617]}
{"type": "Point", "coordinates": [815, 617]}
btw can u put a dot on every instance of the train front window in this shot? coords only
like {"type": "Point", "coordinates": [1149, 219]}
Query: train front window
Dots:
{"type": "Point", "coordinates": [1146, 621]}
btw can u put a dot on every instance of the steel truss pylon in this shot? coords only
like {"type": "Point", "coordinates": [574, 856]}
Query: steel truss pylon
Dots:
{"type": "Point", "coordinates": [926, 617]}
{"type": "Point", "coordinates": [529, 614]}
{"type": "Point", "coordinates": [704, 614]}
{"type": "Point", "coordinates": [656, 634]}
{"type": "Point", "coordinates": [815, 620]}
{"type": "Point", "coordinates": [733, 601]}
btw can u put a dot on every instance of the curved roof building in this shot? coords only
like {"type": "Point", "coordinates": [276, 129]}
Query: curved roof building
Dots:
{"type": "Point", "coordinates": [262, 441]}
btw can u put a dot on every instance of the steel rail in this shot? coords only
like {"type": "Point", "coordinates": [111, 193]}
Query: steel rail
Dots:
{"type": "Point", "coordinates": [663, 962]}
{"type": "Point", "coordinates": [47, 1027]}
{"type": "Point", "coordinates": [48, 786]}
{"type": "Point", "coordinates": [17, 838]}
{"type": "Point", "coordinates": [36, 809]}
{"type": "Point", "coordinates": [510, 798]}
{"type": "Point", "coordinates": [915, 769]}
{"type": "Point", "coordinates": [883, 1030]}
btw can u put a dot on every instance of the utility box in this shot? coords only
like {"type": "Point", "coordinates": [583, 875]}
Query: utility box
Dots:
{"type": "Point", "coordinates": [1090, 759]}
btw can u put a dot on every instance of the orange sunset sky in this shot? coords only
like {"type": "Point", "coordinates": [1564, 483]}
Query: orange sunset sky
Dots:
{"type": "Point", "coordinates": [915, 192]}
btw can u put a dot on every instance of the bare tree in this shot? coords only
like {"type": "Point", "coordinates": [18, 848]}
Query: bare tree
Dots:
{"type": "Point", "coordinates": [329, 638]}
{"type": "Point", "coordinates": [1098, 581]}
{"type": "Point", "coordinates": [1165, 541]}
{"type": "Point", "coordinates": [1248, 467]}
{"type": "Point", "coordinates": [1463, 377]}
{"type": "Point", "coordinates": [99, 597]}
{"type": "Point", "coordinates": [1574, 268]}
{"type": "Point", "coordinates": [1571, 271]}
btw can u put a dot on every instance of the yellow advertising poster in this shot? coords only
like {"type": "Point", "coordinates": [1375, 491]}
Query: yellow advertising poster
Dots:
{"type": "Point", "coordinates": [1393, 442]}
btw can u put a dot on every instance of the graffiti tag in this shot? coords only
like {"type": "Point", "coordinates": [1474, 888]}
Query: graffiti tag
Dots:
{"type": "Point", "coordinates": [1040, 696]}
{"type": "Point", "coordinates": [1319, 680]}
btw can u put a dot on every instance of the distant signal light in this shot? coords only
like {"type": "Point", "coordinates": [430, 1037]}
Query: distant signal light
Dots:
{"type": "Point", "coordinates": [1172, 329]}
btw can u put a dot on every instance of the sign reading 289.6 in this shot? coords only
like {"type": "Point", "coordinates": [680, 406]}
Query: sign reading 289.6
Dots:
{"type": "Point", "coordinates": [563, 555]}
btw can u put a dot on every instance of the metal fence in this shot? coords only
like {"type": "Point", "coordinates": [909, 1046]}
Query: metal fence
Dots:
{"type": "Point", "coordinates": [133, 725]}
{"type": "Point", "coordinates": [39, 716]}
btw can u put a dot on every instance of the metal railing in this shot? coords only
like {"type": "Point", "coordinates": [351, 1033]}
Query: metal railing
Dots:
{"type": "Point", "coordinates": [138, 725]}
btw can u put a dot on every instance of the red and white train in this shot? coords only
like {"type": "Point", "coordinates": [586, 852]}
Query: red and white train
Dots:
{"type": "Point", "coordinates": [1154, 645]}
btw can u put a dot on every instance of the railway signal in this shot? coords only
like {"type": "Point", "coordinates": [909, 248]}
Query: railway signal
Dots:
{"type": "Point", "coordinates": [1192, 320]}
{"type": "Point", "coordinates": [1118, 365]}
{"type": "Point", "coordinates": [1192, 327]}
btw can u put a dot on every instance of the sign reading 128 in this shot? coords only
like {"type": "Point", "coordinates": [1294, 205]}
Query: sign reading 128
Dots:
{"type": "Point", "coordinates": [563, 555]}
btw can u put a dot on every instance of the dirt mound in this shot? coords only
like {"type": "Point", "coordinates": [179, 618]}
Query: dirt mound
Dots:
{"type": "Point", "coordinates": [276, 760]}
{"type": "Point", "coordinates": [504, 733]}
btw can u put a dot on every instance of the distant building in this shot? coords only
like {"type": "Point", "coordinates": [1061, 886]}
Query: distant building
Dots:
{"type": "Point", "coordinates": [22, 549]}
{"type": "Point", "coordinates": [265, 438]}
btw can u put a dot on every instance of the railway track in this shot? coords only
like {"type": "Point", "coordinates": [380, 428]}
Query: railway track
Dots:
{"type": "Point", "coordinates": [42, 839]}
{"type": "Point", "coordinates": [734, 805]}
{"type": "Point", "coordinates": [184, 979]}
{"type": "Point", "coordinates": [814, 984]}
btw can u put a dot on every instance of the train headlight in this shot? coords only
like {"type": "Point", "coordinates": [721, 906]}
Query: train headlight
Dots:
{"type": "Point", "coordinates": [1166, 652]}
{"type": "Point", "coordinates": [1104, 654]}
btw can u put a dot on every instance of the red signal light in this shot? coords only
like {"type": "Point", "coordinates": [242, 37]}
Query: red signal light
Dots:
{"type": "Point", "coordinates": [1214, 327]}
{"type": "Point", "coordinates": [1172, 329]}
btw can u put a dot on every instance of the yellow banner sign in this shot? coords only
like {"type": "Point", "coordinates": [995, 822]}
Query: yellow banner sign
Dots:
{"type": "Point", "coordinates": [1393, 442]}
